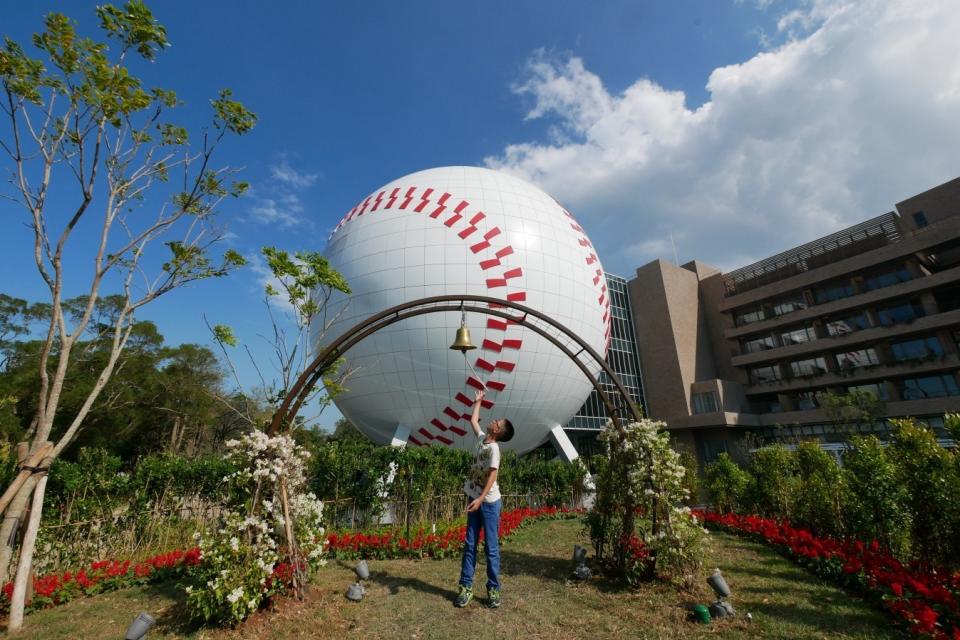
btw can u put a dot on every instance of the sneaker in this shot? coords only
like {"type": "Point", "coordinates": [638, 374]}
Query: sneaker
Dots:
{"type": "Point", "coordinates": [464, 597]}
{"type": "Point", "coordinates": [493, 599]}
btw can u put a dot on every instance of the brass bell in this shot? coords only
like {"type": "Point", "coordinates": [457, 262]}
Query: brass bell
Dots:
{"type": "Point", "coordinates": [463, 342]}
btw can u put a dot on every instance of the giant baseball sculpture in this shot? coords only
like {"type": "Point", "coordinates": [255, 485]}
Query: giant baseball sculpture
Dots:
{"type": "Point", "coordinates": [463, 230]}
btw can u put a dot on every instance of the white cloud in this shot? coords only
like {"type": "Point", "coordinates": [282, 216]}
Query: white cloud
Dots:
{"type": "Point", "coordinates": [855, 110]}
{"type": "Point", "coordinates": [279, 202]}
{"type": "Point", "coordinates": [284, 210]}
{"type": "Point", "coordinates": [283, 172]}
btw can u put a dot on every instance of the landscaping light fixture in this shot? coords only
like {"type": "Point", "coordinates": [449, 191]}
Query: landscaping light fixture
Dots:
{"type": "Point", "coordinates": [580, 569]}
{"type": "Point", "coordinates": [721, 608]}
{"type": "Point", "coordinates": [355, 591]}
{"type": "Point", "coordinates": [139, 627]}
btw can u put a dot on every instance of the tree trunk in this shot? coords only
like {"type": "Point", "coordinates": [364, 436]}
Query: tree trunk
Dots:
{"type": "Point", "coordinates": [26, 558]}
{"type": "Point", "coordinates": [10, 522]}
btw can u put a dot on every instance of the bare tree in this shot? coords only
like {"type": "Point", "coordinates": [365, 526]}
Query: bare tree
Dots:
{"type": "Point", "coordinates": [78, 119]}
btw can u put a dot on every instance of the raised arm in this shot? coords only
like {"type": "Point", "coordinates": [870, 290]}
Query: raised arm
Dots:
{"type": "Point", "coordinates": [475, 416]}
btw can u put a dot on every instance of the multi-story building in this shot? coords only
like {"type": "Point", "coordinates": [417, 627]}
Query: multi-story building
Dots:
{"type": "Point", "coordinates": [875, 307]}
{"type": "Point", "coordinates": [623, 358]}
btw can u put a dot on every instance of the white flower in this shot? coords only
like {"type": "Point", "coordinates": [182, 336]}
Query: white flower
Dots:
{"type": "Point", "coordinates": [235, 595]}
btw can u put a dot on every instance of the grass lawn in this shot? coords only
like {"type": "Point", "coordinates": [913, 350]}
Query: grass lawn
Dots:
{"type": "Point", "coordinates": [412, 599]}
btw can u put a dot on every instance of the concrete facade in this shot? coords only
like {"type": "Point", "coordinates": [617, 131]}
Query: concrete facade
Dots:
{"type": "Point", "coordinates": [730, 360]}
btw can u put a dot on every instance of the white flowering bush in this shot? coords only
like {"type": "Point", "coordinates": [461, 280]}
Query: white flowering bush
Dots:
{"type": "Point", "coordinates": [251, 556]}
{"type": "Point", "coordinates": [639, 512]}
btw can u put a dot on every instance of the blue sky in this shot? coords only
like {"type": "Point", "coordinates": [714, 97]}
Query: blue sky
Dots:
{"type": "Point", "coordinates": [741, 128]}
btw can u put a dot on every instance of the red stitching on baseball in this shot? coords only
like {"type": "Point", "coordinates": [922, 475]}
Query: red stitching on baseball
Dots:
{"type": "Point", "coordinates": [415, 441]}
{"type": "Point", "coordinates": [519, 296]}
{"type": "Point", "coordinates": [496, 386]}
{"type": "Point", "coordinates": [376, 203]}
{"type": "Point", "coordinates": [408, 197]}
{"type": "Point", "coordinates": [364, 207]}
{"type": "Point", "coordinates": [489, 264]}
{"type": "Point", "coordinates": [445, 440]}
{"type": "Point", "coordinates": [441, 205]}
{"type": "Point", "coordinates": [506, 366]}
{"type": "Point", "coordinates": [458, 430]}
{"type": "Point", "coordinates": [486, 366]}
{"type": "Point", "coordinates": [499, 325]}
{"type": "Point", "coordinates": [493, 283]}
{"type": "Point", "coordinates": [439, 425]}
{"type": "Point", "coordinates": [480, 246]}
{"type": "Point", "coordinates": [450, 412]}
{"type": "Point", "coordinates": [503, 253]}
{"type": "Point", "coordinates": [393, 197]}
{"type": "Point", "coordinates": [464, 399]}
{"type": "Point", "coordinates": [424, 200]}
{"type": "Point", "coordinates": [476, 384]}
{"type": "Point", "coordinates": [490, 345]}
{"type": "Point", "coordinates": [516, 272]}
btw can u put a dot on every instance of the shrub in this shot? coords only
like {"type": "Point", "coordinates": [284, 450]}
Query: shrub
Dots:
{"type": "Point", "coordinates": [820, 490]}
{"type": "Point", "coordinates": [773, 471]}
{"type": "Point", "coordinates": [875, 505]}
{"type": "Point", "coordinates": [639, 491]}
{"type": "Point", "coordinates": [928, 474]}
{"type": "Point", "coordinates": [726, 484]}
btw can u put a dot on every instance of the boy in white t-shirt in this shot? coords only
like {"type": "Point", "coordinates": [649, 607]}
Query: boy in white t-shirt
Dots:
{"type": "Point", "coordinates": [483, 511]}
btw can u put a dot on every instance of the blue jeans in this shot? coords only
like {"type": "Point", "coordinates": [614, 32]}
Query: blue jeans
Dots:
{"type": "Point", "coordinates": [487, 517]}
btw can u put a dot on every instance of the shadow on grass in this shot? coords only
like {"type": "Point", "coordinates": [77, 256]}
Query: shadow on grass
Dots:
{"type": "Point", "coordinates": [174, 619]}
{"type": "Point", "coordinates": [395, 584]}
{"type": "Point", "coordinates": [815, 617]}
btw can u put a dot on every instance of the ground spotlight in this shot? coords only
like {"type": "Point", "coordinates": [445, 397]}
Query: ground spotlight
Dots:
{"type": "Point", "coordinates": [580, 569]}
{"type": "Point", "coordinates": [721, 608]}
{"type": "Point", "coordinates": [139, 627]}
{"type": "Point", "coordinates": [355, 591]}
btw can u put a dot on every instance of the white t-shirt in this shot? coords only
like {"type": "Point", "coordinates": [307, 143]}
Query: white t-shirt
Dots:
{"type": "Point", "coordinates": [487, 457]}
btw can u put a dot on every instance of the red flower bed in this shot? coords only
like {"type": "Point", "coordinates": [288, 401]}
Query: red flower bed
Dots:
{"type": "Point", "coordinates": [445, 541]}
{"type": "Point", "coordinates": [926, 599]}
{"type": "Point", "coordinates": [103, 575]}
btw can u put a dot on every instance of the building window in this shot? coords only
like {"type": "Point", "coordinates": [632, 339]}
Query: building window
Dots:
{"type": "Point", "coordinates": [705, 402]}
{"type": "Point", "coordinates": [886, 279]}
{"type": "Point", "coordinates": [749, 316]}
{"type": "Point", "coordinates": [849, 324]}
{"type": "Point", "coordinates": [920, 219]}
{"type": "Point", "coordinates": [712, 449]}
{"type": "Point", "coordinates": [807, 400]}
{"type": "Point", "coordinates": [789, 305]}
{"type": "Point", "coordinates": [900, 314]}
{"type": "Point", "coordinates": [808, 367]}
{"type": "Point", "coordinates": [833, 292]}
{"type": "Point", "coordinates": [918, 349]}
{"type": "Point", "coordinates": [758, 344]}
{"type": "Point", "coordinates": [798, 336]}
{"type": "Point", "coordinates": [760, 375]}
{"type": "Point", "coordinates": [878, 389]}
{"type": "Point", "coordinates": [855, 359]}
{"type": "Point", "coordinates": [929, 387]}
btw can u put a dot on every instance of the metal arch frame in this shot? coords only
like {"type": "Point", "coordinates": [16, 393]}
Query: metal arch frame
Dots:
{"type": "Point", "coordinates": [320, 365]}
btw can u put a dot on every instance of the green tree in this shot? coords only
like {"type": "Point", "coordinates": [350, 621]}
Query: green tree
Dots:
{"type": "Point", "coordinates": [853, 409]}
{"type": "Point", "coordinates": [876, 498]}
{"type": "Point", "coordinates": [773, 472]}
{"type": "Point", "coordinates": [726, 484]}
{"type": "Point", "coordinates": [928, 474]}
{"type": "Point", "coordinates": [77, 115]}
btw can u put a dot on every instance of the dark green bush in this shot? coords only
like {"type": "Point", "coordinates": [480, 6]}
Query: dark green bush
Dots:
{"type": "Point", "coordinates": [726, 484]}
{"type": "Point", "coordinates": [773, 471]}
{"type": "Point", "coordinates": [875, 505]}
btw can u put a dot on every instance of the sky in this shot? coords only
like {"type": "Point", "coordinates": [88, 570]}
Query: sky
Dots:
{"type": "Point", "coordinates": [723, 131]}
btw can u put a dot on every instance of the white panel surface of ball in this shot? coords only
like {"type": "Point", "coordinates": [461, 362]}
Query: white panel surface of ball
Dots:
{"type": "Point", "coordinates": [463, 230]}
